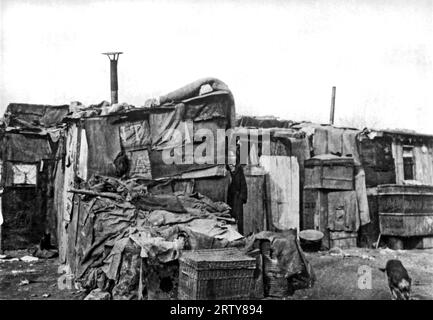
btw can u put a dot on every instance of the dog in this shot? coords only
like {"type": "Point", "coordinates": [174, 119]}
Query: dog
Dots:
{"type": "Point", "coordinates": [398, 280]}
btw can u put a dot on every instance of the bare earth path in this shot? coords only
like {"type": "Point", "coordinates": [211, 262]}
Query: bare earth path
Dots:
{"type": "Point", "coordinates": [337, 276]}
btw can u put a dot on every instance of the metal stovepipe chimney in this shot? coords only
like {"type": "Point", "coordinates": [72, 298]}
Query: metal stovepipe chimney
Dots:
{"type": "Point", "coordinates": [114, 57]}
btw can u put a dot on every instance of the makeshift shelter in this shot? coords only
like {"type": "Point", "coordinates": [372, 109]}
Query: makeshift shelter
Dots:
{"type": "Point", "coordinates": [399, 176]}
{"type": "Point", "coordinates": [380, 158]}
{"type": "Point", "coordinates": [124, 212]}
{"type": "Point", "coordinates": [304, 141]}
{"type": "Point", "coordinates": [29, 155]}
{"type": "Point", "coordinates": [129, 142]}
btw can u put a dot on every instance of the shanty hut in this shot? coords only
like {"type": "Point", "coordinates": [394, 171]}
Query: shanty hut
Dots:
{"type": "Point", "coordinates": [297, 198]}
{"type": "Point", "coordinates": [125, 213]}
{"type": "Point", "coordinates": [391, 194]}
{"type": "Point", "coordinates": [29, 158]}
{"type": "Point", "coordinates": [399, 176]}
{"type": "Point", "coordinates": [123, 141]}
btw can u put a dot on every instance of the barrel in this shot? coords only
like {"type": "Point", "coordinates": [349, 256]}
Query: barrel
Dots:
{"type": "Point", "coordinates": [405, 210]}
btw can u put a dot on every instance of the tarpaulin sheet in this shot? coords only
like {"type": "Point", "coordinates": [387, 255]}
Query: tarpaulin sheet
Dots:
{"type": "Point", "coordinates": [103, 145]}
{"type": "Point", "coordinates": [161, 169]}
{"type": "Point", "coordinates": [193, 91]}
{"type": "Point", "coordinates": [286, 255]}
{"type": "Point", "coordinates": [208, 107]}
{"type": "Point", "coordinates": [35, 114]}
{"type": "Point", "coordinates": [135, 135]}
{"type": "Point", "coordinates": [339, 141]}
{"type": "Point", "coordinates": [26, 148]}
{"type": "Point", "coordinates": [108, 221]}
{"type": "Point", "coordinates": [185, 119]}
{"type": "Point", "coordinates": [139, 164]}
{"type": "Point", "coordinates": [159, 202]}
{"type": "Point", "coordinates": [156, 232]}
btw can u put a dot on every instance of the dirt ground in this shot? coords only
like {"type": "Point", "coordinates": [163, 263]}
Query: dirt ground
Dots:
{"type": "Point", "coordinates": [337, 276]}
{"type": "Point", "coordinates": [41, 275]}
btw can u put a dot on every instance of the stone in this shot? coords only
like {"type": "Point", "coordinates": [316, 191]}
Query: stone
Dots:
{"type": "Point", "coordinates": [98, 294]}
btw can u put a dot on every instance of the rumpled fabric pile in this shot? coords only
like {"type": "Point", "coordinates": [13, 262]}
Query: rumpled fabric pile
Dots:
{"type": "Point", "coordinates": [129, 241]}
{"type": "Point", "coordinates": [117, 233]}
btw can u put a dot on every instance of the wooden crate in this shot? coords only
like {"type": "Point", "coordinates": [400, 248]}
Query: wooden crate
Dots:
{"type": "Point", "coordinates": [335, 174]}
{"type": "Point", "coordinates": [316, 208]}
{"type": "Point", "coordinates": [216, 274]}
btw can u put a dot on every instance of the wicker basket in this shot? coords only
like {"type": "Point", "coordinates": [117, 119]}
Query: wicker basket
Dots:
{"type": "Point", "coordinates": [215, 274]}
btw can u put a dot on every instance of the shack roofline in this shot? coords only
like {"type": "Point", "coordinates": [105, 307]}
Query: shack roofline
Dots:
{"type": "Point", "coordinates": [296, 125]}
{"type": "Point", "coordinates": [15, 104]}
{"type": "Point", "coordinates": [136, 111]}
{"type": "Point", "coordinates": [144, 111]}
{"type": "Point", "coordinates": [406, 133]}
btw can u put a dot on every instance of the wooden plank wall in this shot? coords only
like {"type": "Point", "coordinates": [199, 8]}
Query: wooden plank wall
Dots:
{"type": "Point", "coordinates": [65, 204]}
{"type": "Point", "coordinates": [397, 154]}
{"type": "Point", "coordinates": [255, 208]}
{"type": "Point", "coordinates": [284, 190]}
{"type": "Point", "coordinates": [423, 163]}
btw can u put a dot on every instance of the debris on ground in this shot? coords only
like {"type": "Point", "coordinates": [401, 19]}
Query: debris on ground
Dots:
{"type": "Point", "coordinates": [45, 253]}
{"type": "Point", "coordinates": [15, 272]}
{"type": "Point", "coordinates": [98, 294]}
{"type": "Point", "coordinates": [24, 282]}
{"type": "Point", "coordinates": [29, 259]}
{"type": "Point", "coordinates": [386, 251]}
{"type": "Point", "coordinates": [9, 260]}
{"type": "Point", "coordinates": [336, 251]}
{"type": "Point", "coordinates": [46, 295]}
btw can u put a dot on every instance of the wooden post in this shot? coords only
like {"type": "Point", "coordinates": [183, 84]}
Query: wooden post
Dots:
{"type": "Point", "coordinates": [331, 117]}
{"type": "Point", "coordinates": [1, 220]}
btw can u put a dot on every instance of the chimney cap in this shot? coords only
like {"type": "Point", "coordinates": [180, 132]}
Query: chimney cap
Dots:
{"type": "Point", "coordinates": [113, 56]}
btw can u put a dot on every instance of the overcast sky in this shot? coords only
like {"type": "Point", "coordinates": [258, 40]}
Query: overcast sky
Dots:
{"type": "Point", "coordinates": [278, 57]}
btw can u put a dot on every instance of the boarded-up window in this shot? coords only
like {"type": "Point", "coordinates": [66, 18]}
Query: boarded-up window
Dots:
{"type": "Point", "coordinates": [408, 163]}
{"type": "Point", "coordinates": [24, 173]}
